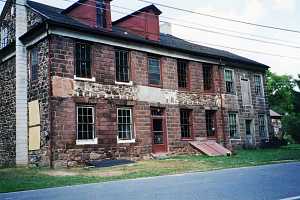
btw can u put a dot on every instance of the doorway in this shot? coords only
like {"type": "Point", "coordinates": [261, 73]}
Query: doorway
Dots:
{"type": "Point", "coordinates": [159, 137]}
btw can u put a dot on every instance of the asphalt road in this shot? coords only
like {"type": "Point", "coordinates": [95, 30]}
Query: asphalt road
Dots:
{"type": "Point", "coordinates": [271, 182]}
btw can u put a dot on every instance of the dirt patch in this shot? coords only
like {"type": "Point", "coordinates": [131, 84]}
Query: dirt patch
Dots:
{"type": "Point", "coordinates": [60, 173]}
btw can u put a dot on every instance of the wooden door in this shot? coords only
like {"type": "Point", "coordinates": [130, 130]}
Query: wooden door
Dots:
{"type": "Point", "coordinates": [210, 118]}
{"type": "Point", "coordinates": [159, 137]}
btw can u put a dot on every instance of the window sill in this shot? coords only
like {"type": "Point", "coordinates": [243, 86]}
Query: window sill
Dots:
{"type": "Point", "coordinates": [125, 141]}
{"type": "Point", "coordinates": [236, 139]}
{"type": "Point", "coordinates": [187, 139]}
{"type": "Point", "coordinates": [130, 83]}
{"type": "Point", "coordinates": [85, 142]}
{"type": "Point", "coordinates": [84, 79]}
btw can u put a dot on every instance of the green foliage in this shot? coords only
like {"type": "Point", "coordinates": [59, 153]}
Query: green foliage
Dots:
{"type": "Point", "coordinates": [291, 125]}
{"type": "Point", "coordinates": [280, 92]}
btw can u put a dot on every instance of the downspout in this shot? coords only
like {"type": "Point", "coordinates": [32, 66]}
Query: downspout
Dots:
{"type": "Point", "coordinates": [50, 95]}
{"type": "Point", "coordinates": [222, 108]}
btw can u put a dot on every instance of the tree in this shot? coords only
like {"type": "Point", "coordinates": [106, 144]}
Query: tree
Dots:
{"type": "Point", "coordinates": [280, 92]}
{"type": "Point", "coordinates": [291, 126]}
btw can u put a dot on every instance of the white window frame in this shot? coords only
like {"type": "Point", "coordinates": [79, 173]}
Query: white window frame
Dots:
{"type": "Point", "coordinates": [250, 94]}
{"type": "Point", "coordinates": [233, 81]}
{"type": "Point", "coordinates": [266, 126]}
{"type": "Point", "coordinates": [261, 86]}
{"type": "Point", "coordinates": [132, 140]}
{"type": "Point", "coordinates": [4, 36]}
{"type": "Point", "coordinates": [85, 141]}
{"type": "Point", "coordinates": [237, 126]}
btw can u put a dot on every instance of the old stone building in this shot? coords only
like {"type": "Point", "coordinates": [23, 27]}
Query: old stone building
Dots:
{"type": "Point", "coordinates": [96, 89]}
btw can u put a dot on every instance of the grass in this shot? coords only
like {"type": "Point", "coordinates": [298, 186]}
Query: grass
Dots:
{"type": "Point", "coordinates": [18, 179]}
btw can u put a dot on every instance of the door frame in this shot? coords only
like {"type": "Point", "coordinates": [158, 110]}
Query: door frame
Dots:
{"type": "Point", "coordinates": [164, 127]}
{"type": "Point", "coordinates": [252, 129]}
{"type": "Point", "coordinates": [214, 118]}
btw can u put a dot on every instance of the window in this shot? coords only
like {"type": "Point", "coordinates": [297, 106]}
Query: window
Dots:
{"type": "Point", "coordinates": [34, 64]}
{"type": "Point", "coordinates": [4, 37]}
{"type": "Point", "coordinates": [262, 125]}
{"type": "Point", "coordinates": [210, 124]}
{"type": "Point", "coordinates": [83, 63]}
{"type": "Point", "coordinates": [185, 123]}
{"type": "Point", "coordinates": [207, 76]}
{"type": "Point", "coordinates": [258, 85]}
{"type": "Point", "coordinates": [246, 92]}
{"type": "Point", "coordinates": [125, 125]}
{"type": "Point", "coordinates": [122, 67]}
{"type": "Point", "coordinates": [229, 81]}
{"type": "Point", "coordinates": [182, 70]}
{"type": "Point", "coordinates": [85, 123]}
{"type": "Point", "coordinates": [233, 127]}
{"type": "Point", "coordinates": [154, 71]}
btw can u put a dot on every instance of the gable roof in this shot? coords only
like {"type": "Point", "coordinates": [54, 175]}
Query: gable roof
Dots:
{"type": "Point", "coordinates": [274, 114]}
{"type": "Point", "coordinates": [142, 10]}
{"type": "Point", "coordinates": [56, 17]}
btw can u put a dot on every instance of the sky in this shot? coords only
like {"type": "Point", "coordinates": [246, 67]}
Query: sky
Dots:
{"type": "Point", "coordinates": [278, 13]}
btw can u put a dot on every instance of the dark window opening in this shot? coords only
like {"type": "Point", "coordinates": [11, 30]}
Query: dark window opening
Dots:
{"type": "Point", "coordinates": [34, 63]}
{"type": "Point", "coordinates": [233, 127]}
{"type": "Point", "coordinates": [83, 63]}
{"type": "Point", "coordinates": [185, 123]}
{"type": "Point", "coordinates": [182, 70]}
{"type": "Point", "coordinates": [258, 85]}
{"type": "Point", "coordinates": [154, 71]}
{"type": "Point", "coordinates": [157, 125]}
{"type": "Point", "coordinates": [262, 125]}
{"type": "Point", "coordinates": [229, 81]}
{"type": "Point", "coordinates": [85, 122]}
{"type": "Point", "coordinates": [122, 66]}
{"type": "Point", "coordinates": [207, 76]}
{"type": "Point", "coordinates": [101, 14]}
{"type": "Point", "coordinates": [210, 122]}
{"type": "Point", "coordinates": [125, 125]}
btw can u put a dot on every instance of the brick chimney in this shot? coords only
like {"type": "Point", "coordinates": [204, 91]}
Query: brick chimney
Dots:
{"type": "Point", "coordinates": [94, 13]}
{"type": "Point", "coordinates": [144, 22]}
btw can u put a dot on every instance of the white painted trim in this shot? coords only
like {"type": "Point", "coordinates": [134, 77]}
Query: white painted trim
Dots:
{"type": "Point", "coordinates": [132, 140]}
{"type": "Point", "coordinates": [237, 126]}
{"type": "Point", "coordinates": [125, 141]}
{"type": "Point", "coordinates": [85, 142]}
{"type": "Point", "coordinates": [128, 45]}
{"type": "Point", "coordinates": [234, 81]}
{"type": "Point", "coordinates": [93, 79]}
{"type": "Point", "coordinates": [8, 57]}
{"type": "Point", "coordinates": [37, 39]}
{"type": "Point", "coordinates": [130, 83]}
{"type": "Point", "coordinates": [262, 86]}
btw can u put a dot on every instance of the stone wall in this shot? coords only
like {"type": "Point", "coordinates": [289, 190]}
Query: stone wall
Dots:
{"type": "Point", "coordinates": [7, 113]}
{"type": "Point", "coordinates": [39, 90]}
{"type": "Point", "coordinates": [106, 96]}
{"type": "Point", "coordinates": [9, 21]}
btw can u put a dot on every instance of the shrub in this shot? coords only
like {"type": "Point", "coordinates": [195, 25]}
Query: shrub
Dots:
{"type": "Point", "coordinates": [291, 126]}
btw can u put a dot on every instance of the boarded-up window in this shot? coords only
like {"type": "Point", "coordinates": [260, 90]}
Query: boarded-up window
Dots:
{"type": "Point", "coordinates": [246, 92]}
{"type": "Point", "coordinates": [34, 139]}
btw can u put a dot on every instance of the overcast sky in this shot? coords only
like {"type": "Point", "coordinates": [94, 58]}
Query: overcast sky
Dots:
{"type": "Point", "coordinates": [280, 13]}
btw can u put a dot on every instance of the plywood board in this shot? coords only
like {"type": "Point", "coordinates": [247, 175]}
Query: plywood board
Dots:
{"type": "Point", "coordinates": [34, 113]}
{"type": "Point", "coordinates": [34, 138]}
